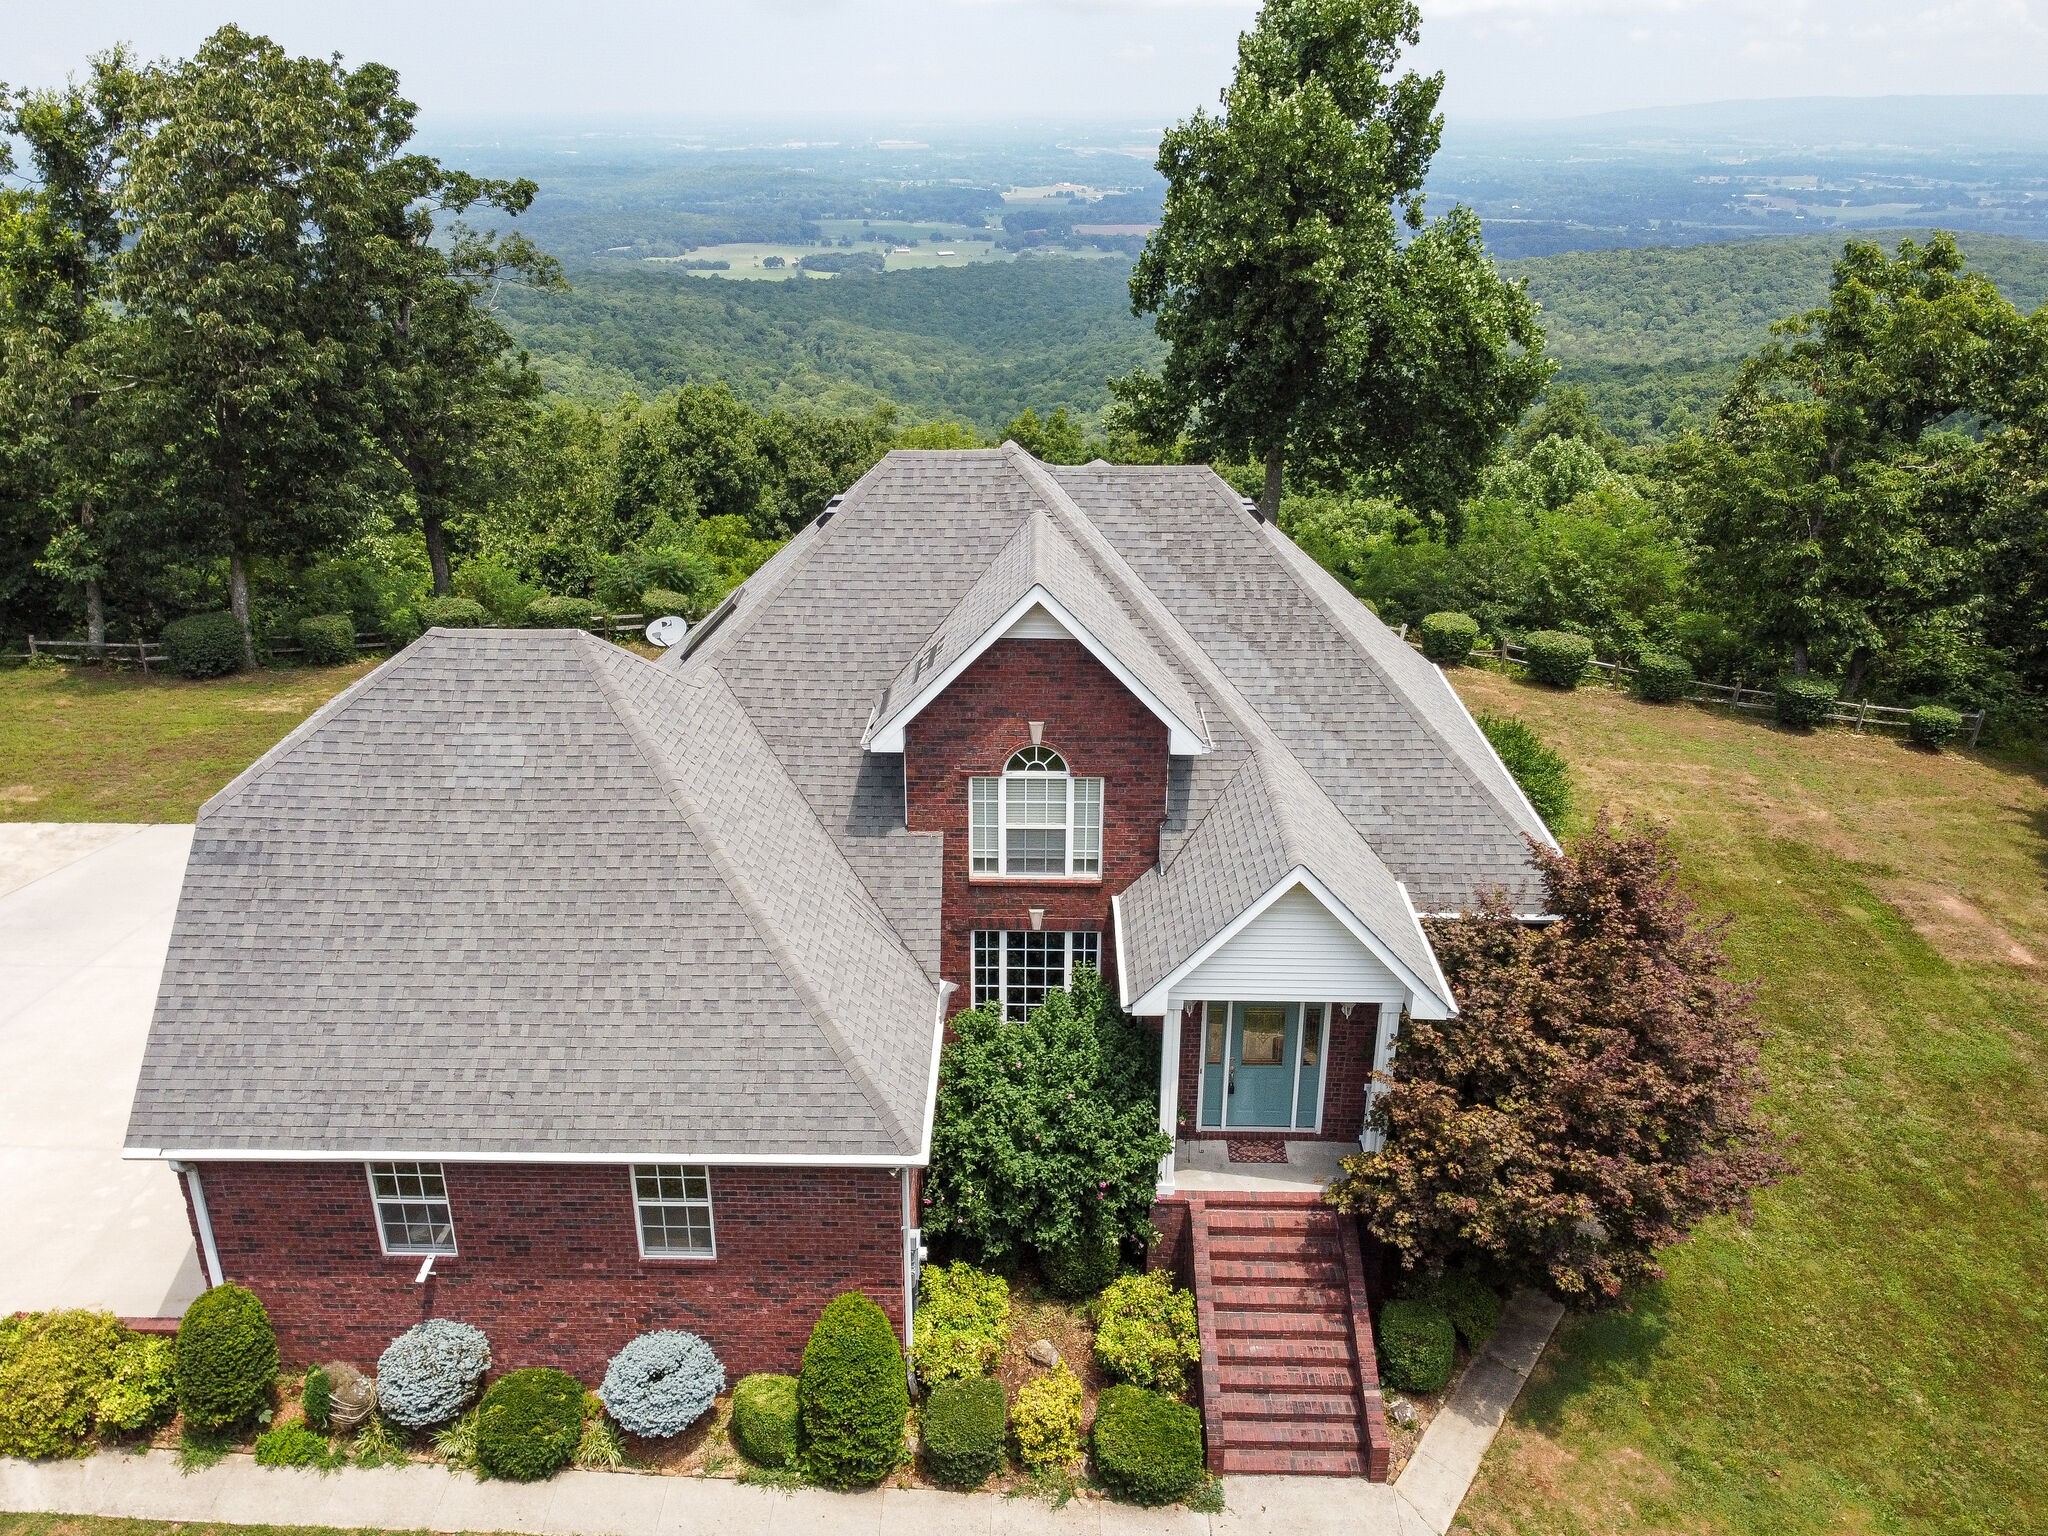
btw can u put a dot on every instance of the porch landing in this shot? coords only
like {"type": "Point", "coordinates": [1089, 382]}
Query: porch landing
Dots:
{"type": "Point", "coordinates": [1206, 1165]}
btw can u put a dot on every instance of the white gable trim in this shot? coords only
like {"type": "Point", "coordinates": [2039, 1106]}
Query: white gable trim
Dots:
{"type": "Point", "coordinates": [1184, 737]}
{"type": "Point", "coordinates": [1427, 998]}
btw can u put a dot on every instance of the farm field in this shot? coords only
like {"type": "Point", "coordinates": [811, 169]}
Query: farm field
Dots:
{"type": "Point", "coordinates": [747, 257]}
{"type": "Point", "coordinates": [1869, 1355]}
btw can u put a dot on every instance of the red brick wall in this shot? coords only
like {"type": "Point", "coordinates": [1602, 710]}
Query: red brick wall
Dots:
{"type": "Point", "coordinates": [1346, 1072]}
{"type": "Point", "coordinates": [972, 728]}
{"type": "Point", "coordinates": [550, 1264]}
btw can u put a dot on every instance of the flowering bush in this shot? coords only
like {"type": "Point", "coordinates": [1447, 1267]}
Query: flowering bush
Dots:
{"type": "Point", "coordinates": [429, 1371]}
{"type": "Point", "coordinates": [662, 1383]}
{"type": "Point", "coordinates": [963, 1321]}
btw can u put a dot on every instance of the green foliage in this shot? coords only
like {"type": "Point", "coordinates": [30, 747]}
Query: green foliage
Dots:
{"type": "Point", "coordinates": [1470, 1303]}
{"type": "Point", "coordinates": [455, 1441]}
{"type": "Point", "coordinates": [1145, 1332]}
{"type": "Point", "coordinates": [1542, 774]}
{"type": "Point", "coordinates": [1934, 726]}
{"type": "Point", "coordinates": [656, 602]}
{"type": "Point", "coordinates": [297, 1445]}
{"type": "Point", "coordinates": [963, 1322]}
{"type": "Point", "coordinates": [764, 1419]}
{"type": "Point", "coordinates": [1082, 1267]}
{"type": "Point", "coordinates": [1448, 637]}
{"type": "Point", "coordinates": [601, 1448]}
{"type": "Point", "coordinates": [1055, 438]}
{"type": "Point", "coordinates": [376, 1445]}
{"type": "Point", "coordinates": [529, 1424]}
{"type": "Point", "coordinates": [204, 645]}
{"type": "Point", "coordinates": [141, 1391]}
{"type": "Point", "coordinates": [54, 1369]}
{"type": "Point", "coordinates": [852, 1397]}
{"type": "Point", "coordinates": [1662, 678]}
{"type": "Point", "coordinates": [561, 613]}
{"type": "Point", "coordinates": [1803, 702]}
{"type": "Point", "coordinates": [1046, 1421]}
{"type": "Point", "coordinates": [452, 613]}
{"type": "Point", "coordinates": [498, 591]}
{"type": "Point", "coordinates": [1418, 1346]}
{"type": "Point", "coordinates": [1147, 1446]}
{"type": "Point", "coordinates": [316, 1397]}
{"type": "Point", "coordinates": [961, 1431]}
{"type": "Point", "coordinates": [226, 1360]}
{"type": "Point", "coordinates": [1047, 1132]}
{"type": "Point", "coordinates": [1558, 659]}
{"type": "Point", "coordinates": [328, 639]}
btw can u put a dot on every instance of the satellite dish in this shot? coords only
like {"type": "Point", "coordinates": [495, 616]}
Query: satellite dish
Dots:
{"type": "Point", "coordinates": [667, 630]}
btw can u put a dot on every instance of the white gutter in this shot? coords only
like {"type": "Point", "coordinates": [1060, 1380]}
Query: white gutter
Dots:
{"type": "Point", "coordinates": [207, 1249]}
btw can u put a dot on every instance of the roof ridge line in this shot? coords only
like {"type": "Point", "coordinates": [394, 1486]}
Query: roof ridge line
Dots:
{"type": "Point", "coordinates": [743, 892]}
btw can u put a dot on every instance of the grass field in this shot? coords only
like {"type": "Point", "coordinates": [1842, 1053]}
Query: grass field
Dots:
{"type": "Point", "coordinates": [1872, 1354]}
{"type": "Point", "coordinates": [87, 745]}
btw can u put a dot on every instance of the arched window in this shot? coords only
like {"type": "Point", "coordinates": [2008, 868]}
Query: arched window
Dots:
{"type": "Point", "coordinates": [1037, 819]}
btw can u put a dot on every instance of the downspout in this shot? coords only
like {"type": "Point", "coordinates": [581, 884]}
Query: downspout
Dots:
{"type": "Point", "coordinates": [209, 1254]}
{"type": "Point", "coordinates": [913, 1258]}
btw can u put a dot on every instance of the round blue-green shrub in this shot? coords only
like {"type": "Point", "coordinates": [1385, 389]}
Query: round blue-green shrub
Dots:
{"type": "Point", "coordinates": [204, 645]}
{"type": "Point", "coordinates": [430, 1371]}
{"type": "Point", "coordinates": [1556, 658]}
{"type": "Point", "coordinates": [1934, 726]}
{"type": "Point", "coordinates": [662, 1383]}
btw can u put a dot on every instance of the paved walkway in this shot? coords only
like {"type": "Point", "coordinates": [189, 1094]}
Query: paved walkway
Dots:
{"type": "Point", "coordinates": [85, 921]}
{"type": "Point", "coordinates": [1422, 1503]}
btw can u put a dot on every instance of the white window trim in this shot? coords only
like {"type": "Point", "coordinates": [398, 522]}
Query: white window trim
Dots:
{"type": "Point", "coordinates": [1002, 871]}
{"type": "Point", "coordinates": [1294, 1102]}
{"type": "Point", "coordinates": [1002, 936]}
{"type": "Point", "coordinates": [640, 1231]}
{"type": "Point", "coordinates": [454, 1248]}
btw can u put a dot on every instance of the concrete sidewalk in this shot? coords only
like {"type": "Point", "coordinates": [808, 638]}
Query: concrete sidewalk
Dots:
{"type": "Point", "coordinates": [85, 922]}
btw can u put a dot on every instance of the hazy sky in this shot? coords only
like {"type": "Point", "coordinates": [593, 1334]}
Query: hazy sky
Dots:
{"type": "Point", "coordinates": [1128, 60]}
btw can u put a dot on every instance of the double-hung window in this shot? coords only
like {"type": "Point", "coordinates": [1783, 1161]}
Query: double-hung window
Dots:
{"type": "Point", "coordinates": [1016, 969]}
{"type": "Point", "coordinates": [411, 1200]}
{"type": "Point", "coordinates": [672, 1205]}
{"type": "Point", "coordinates": [1037, 819]}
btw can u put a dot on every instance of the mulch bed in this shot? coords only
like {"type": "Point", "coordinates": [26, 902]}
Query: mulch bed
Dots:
{"type": "Point", "coordinates": [1257, 1149]}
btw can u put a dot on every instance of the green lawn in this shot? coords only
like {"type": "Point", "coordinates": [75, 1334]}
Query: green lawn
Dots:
{"type": "Point", "coordinates": [1871, 1354]}
{"type": "Point", "coordinates": [83, 744]}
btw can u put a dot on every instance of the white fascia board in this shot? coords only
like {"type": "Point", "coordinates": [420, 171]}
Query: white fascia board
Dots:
{"type": "Point", "coordinates": [443, 1155]}
{"type": "Point", "coordinates": [1436, 969]}
{"type": "Point", "coordinates": [931, 1088]}
{"type": "Point", "coordinates": [1425, 1002]}
{"type": "Point", "coordinates": [1123, 972]}
{"type": "Point", "coordinates": [1184, 737]}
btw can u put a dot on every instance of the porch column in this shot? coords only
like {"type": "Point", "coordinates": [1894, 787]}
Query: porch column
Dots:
{"type": "Point", "coordinates": [1169, 1088]}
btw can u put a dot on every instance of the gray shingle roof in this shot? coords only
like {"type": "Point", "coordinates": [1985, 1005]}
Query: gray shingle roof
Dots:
{"type": "Point", "coordinates": [523, 893]}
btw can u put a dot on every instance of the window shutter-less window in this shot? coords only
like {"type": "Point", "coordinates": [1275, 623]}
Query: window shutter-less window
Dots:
{"type": "Point", "coordinates": [1087, 826]}
{"type": "Point", "coordinates": [983, 816]}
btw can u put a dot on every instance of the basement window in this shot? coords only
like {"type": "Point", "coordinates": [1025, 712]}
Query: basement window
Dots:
{"type": "Point", "coordinates": [672, 1207]}
{"type": "Point", "coordinates": [411, 1201]}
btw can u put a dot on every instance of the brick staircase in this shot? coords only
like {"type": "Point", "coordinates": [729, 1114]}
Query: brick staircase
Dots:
{"type": "Point", "coordinates": [1289, 1382]}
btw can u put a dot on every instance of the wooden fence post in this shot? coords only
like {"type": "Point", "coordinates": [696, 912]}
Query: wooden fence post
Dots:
{"type": "Point", "coordinates": [1976, 727]}
{"type": "Point", "coordinates": [31, 647]}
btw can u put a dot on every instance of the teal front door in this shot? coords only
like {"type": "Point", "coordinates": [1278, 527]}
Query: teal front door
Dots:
{"type": "Point", "coordinates": [1260, 1091]}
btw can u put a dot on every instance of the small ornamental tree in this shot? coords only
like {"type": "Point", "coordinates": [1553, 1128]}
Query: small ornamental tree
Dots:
{"type": "Point", "coordinates": [1595, 1098]}
{"type": "Point", "coordinates": [1048, 1129]}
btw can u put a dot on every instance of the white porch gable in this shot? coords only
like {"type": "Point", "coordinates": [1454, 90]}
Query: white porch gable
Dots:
{"type": "Point", "coordinates": [1296, 948]}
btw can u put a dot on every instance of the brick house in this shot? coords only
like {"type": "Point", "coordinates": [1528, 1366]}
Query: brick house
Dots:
{"type": "Point", "coordinates": [573, 994]}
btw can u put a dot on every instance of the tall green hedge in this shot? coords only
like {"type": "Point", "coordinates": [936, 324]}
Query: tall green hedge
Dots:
{"type": "Point", "coordinates": [328, 639]}
{"type": "Point", "coordinates": [852, 1395]}
{"type": "Point", "coordinates": [226, 1358]}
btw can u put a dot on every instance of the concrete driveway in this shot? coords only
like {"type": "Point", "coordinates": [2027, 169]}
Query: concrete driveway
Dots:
{"type": "Point", "coordinates": [85, 920]}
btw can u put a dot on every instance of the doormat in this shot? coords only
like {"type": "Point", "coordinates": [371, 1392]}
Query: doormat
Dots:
{"type": "Point", "coordinates": [1257, 1149]}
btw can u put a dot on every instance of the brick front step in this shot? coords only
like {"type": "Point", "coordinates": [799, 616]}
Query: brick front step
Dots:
{"type": "Point", "coordinates": [1293, 1434]}
{"type": "Point", "coordinates": [1314, 1246]}
{"type": "Point", "coordinates": [1324, 1274]}
{"type": "Point", "coordinates": [1263, 1461]}
{"type": "Point", "coordinates": [1242, 1408]}
{"type": "Point", "coordinates": [1243, 1349]}
{"type": "Point", "coordinates": [1252, 1296]}
{"type": "Point", "coordinates": [1288, 1376]}
{"type": "Point", "coordinates": [1235, 1223]}
{"type": "Point", "coordinates": [1270, 1324]}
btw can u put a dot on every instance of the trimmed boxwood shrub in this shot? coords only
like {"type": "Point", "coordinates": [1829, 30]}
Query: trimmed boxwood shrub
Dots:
{"type": "Point", "coordinates": [1448, 637]}
{"type": "Point", "coordinates": [1047, 1420]}
{"type": "Point", "coordinates": [1145, 1332]}
{"type": "Point", "coordinates": [852, 1398]}
{"type": "Point", "coordinates": [1934, 726]}
{"type": "Point", "coordinates": [1081, 1268]}
{"type": "Point", "coordinates": [1418, 1346]}
{"type": "Point", "coordinates": [561, 613]}
{"type": "Point", "coordinates": [316, 1396]}
{"type": "Point", "coordinates": [1662, 679]}
{"type": "Point", "coordinates": [1469, 1302]}
{"type": "Point", "coordinates": [963, 1322]}
{"type": "Point", "coordinates": [656, 602]}
{"type": "Point", "coordinates": [452, 613]}
{"type": "Point", "coordinates": [226, 1358]}
{"type": "Point", "coordinates": [1803, 702]}
{"type": "Point", "coordinates": [430, 1371]}
{"type": "Point", "coordinates": [662, 1383]}
{"type": "Point", "coordinates": [764, 1419]}
{"type": "Point", "coordinates": [204, 645]}
{"type": "Point", "coordinates": [1556, 658]}
{"type": "Point", "coordinates": [1147, 1446]}
{"type": "Point", "coordinates": [961, 1433]}
{"type": "Point", "coordinates": [328, 639]}
{"type": "Point", "coordinates": [54, 1367]}
{"type": "Point", "coordinates": [529, 1425]}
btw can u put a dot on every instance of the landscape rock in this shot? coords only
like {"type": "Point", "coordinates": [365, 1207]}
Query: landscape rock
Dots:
{"type": "Point", "coordinates": [1403, 1412]}
{"type": "Point", "coordinates": [1043, 1353]}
